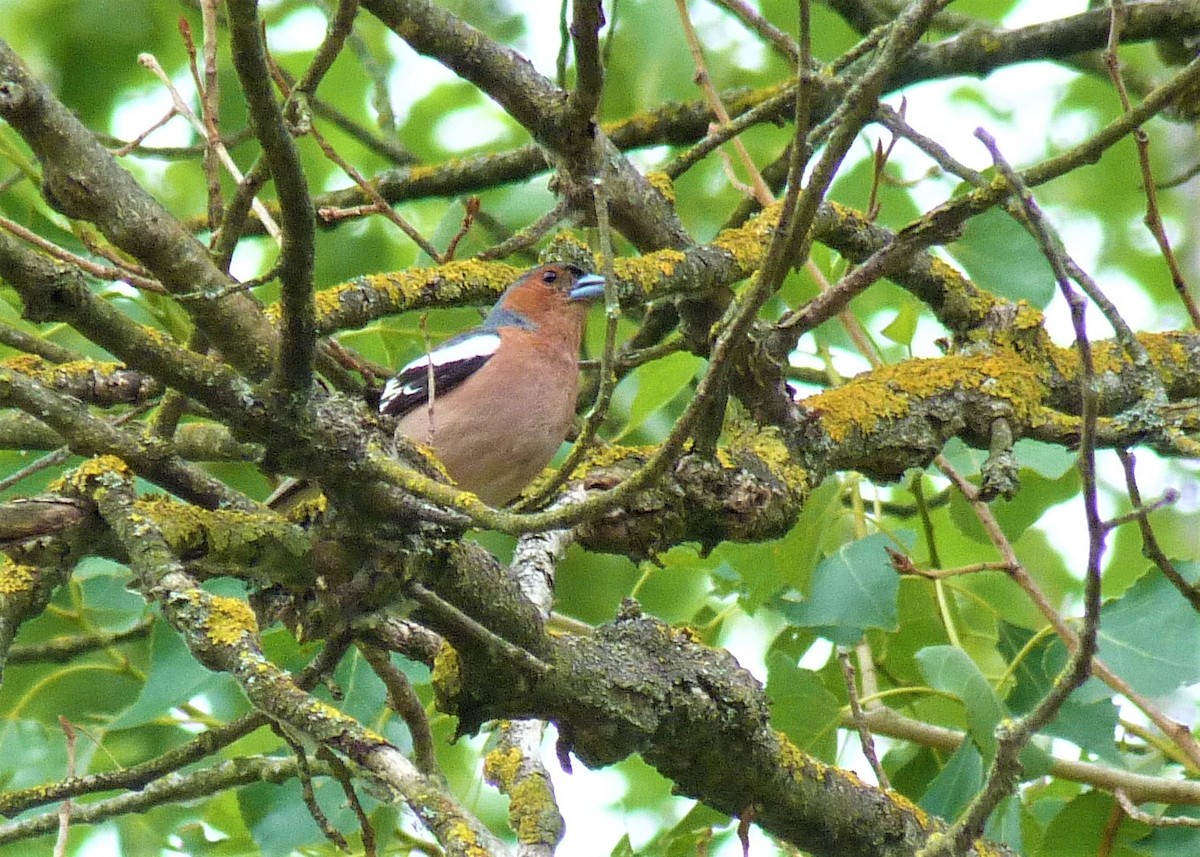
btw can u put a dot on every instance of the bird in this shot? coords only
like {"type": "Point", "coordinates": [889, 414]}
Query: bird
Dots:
{"type": "Point", "coordinates": [496, 402]}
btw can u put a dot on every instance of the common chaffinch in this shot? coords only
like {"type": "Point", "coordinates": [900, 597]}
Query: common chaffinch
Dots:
{"type": "Point", "coordinates": [495, 403]}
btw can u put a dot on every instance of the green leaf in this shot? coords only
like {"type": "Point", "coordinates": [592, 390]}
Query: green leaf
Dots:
{"type": "Point", "coordinates": [691, 835]}
{"type": "Point", "coordinates": [1088, 718]}
{"type": "Point", "coordinates": [1002, 258]}
{"type": "Point", "coordinates": [802, 707]}
{"type": "Point", "coordinates": [624, 848]}
{"type": "Point", "coordinates": [1078, 829]}
{"type": "Point", "coordinates": [1004, 824]}
{"type": "Point", "coordinates": [951, 671]}
{"type": "Point", "coordinates": [987, 10]}
{"type": "Point", "coordinates": [281, 823]}
{"type": "Point", "coordinates": [901, 329]}
{"type": "Point", "coordinates": [1045, 459]}
{"type": "Point", "coordinates": [759, 572]}
{"type": "Point", "coordinates": [1150, 636]}
{"type": "Point", "coordinates": [659, 384]}
{"type": "Point", "coordinates": [1037, 494]}
{"type": "Point", "coordinates": [175, 677]}
{"type": "Point", "coordinates": [363, 694]}
{"type": "Point", "coordinates": [29, 750]}
{"type": "Point", "coordinates": [852, 590]}
{"type": "Point", "coordinates": [954, 785]}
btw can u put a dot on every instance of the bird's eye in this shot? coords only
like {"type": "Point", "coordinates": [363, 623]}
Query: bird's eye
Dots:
{"type": "Point", "coordinates": [549, 276]}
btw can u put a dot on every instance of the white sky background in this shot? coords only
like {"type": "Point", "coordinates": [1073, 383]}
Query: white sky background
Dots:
{"type": "Point", "coordinates": [591, 801]}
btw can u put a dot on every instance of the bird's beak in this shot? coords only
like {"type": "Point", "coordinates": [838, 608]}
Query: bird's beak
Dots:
{"type": "Point", "coordinates": [587, 288]}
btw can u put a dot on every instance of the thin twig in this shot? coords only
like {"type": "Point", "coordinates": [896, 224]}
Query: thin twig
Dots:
{"type": "Point", "coordinates": [64, 811]}
{"type": "Point", "coordinates": [719, 134]}
{"type": "Point", "coordinates": [856, 715]}
{"type": "Point", "coordinates": [404, 701]}
{"type": "Point", "coordinates": [341, 23]}
{"type": "Point", "coordinates": [1108, 836]}
{"type": "Point", "coordinates": [151, 62]}
{"type": "Point", "coordinates": [1153, 217]}
{"type": "Point", "coordinates": [525, 238]}
{"type": "Point", "coordinates": [134, 144]}
{"type": "Point", "coordinates": [1150, 546]}
{"type": "Point", "coordinates": [1013, 736]}
{"type": "Point", "coordinates": [761, 192]}
{"type": "Point", "coordinates": [36, 344]}
{"type": "Point", "coordinates": [100, 272]}
{"type": "Point", "coordinates": [958, 571]}
{"type": "Point", "coordinates": [50, 459]}
{"type": "Point", "coordinates": [1178, 733]}
{"type": "Point", "coordinates": [895, 122]}
{"type": "Point", "coordinates": [208, 87]}
{"type": "Point", "coordinates": [58, 456]}
{"type": "Point", "coordinates": [778, 39]}
{"type": "Point", "coordinates": [1153, 820]}
{"type": "Point", "coordinates": [379, 204]}
{"type": "Point", "coordinates": [470, 212]}
{"type": "Point", "coordinates": [305, 775]}
{"type": "Point", "coordinates": [341, 772]}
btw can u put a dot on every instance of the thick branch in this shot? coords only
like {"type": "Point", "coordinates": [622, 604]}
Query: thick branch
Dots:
{"type": "Point", "coordinates": [981, 50]}
{"type": "Point", "coordinates": [694, 714]}
{"type": "Point", "coordinates": [199, 441]}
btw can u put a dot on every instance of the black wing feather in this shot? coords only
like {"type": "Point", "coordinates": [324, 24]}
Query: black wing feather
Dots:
{"type": "Point", "coordinates": [410, 389]}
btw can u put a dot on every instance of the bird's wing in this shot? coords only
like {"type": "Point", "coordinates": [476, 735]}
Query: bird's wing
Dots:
{"type": "Point", "coordinates": [452, 362]}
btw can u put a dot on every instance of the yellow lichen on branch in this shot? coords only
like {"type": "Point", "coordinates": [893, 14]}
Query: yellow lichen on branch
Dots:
{"type": "Point", "coordinates": [14, 577]}
{"type": "Point", "coordinates": [78, 481]}
{"type": "Point", "coordinates": [532, 811]}
{"type": "Point", "coordinates": [228, 535]}
{"type": "Point", "coordinates": [446, 285]}
{"type": "Point", "coordinates": [229, 619]}
{"type": "Point", "coordinates": [890, 392]}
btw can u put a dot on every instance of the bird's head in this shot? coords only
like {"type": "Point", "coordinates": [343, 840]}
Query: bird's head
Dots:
{"type": "Point", "coordinates": [546, 291]}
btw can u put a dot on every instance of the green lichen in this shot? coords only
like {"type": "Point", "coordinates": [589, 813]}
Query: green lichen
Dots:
{"type": "Point", "coordinates": [766, 444]}
{"type": "Point", "coordinates": [461, 833]}
{"type": "Point", "coordinates": [797, 763]}
{"type": "Point", "coordinates": [59, 374]}
{"type": "Point", "coordinates": [1168, 355]}
{"type": "Point", "coordinates": [645, 271]}
{"type": "Point", "coordinates": [26, 364]}
{"type": "Point", "coordinates": [227, 535]}
{"type": "Point", "coordinates": [599, 457]}
{"type": "Point", "coordinates": [666, 260]}
{"type": "Point", "coordinates": [415, 286]}
{"type": "Point", "coordinates": [501, 767]}
{"type": "Point", "coordinates": [532, 810]}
